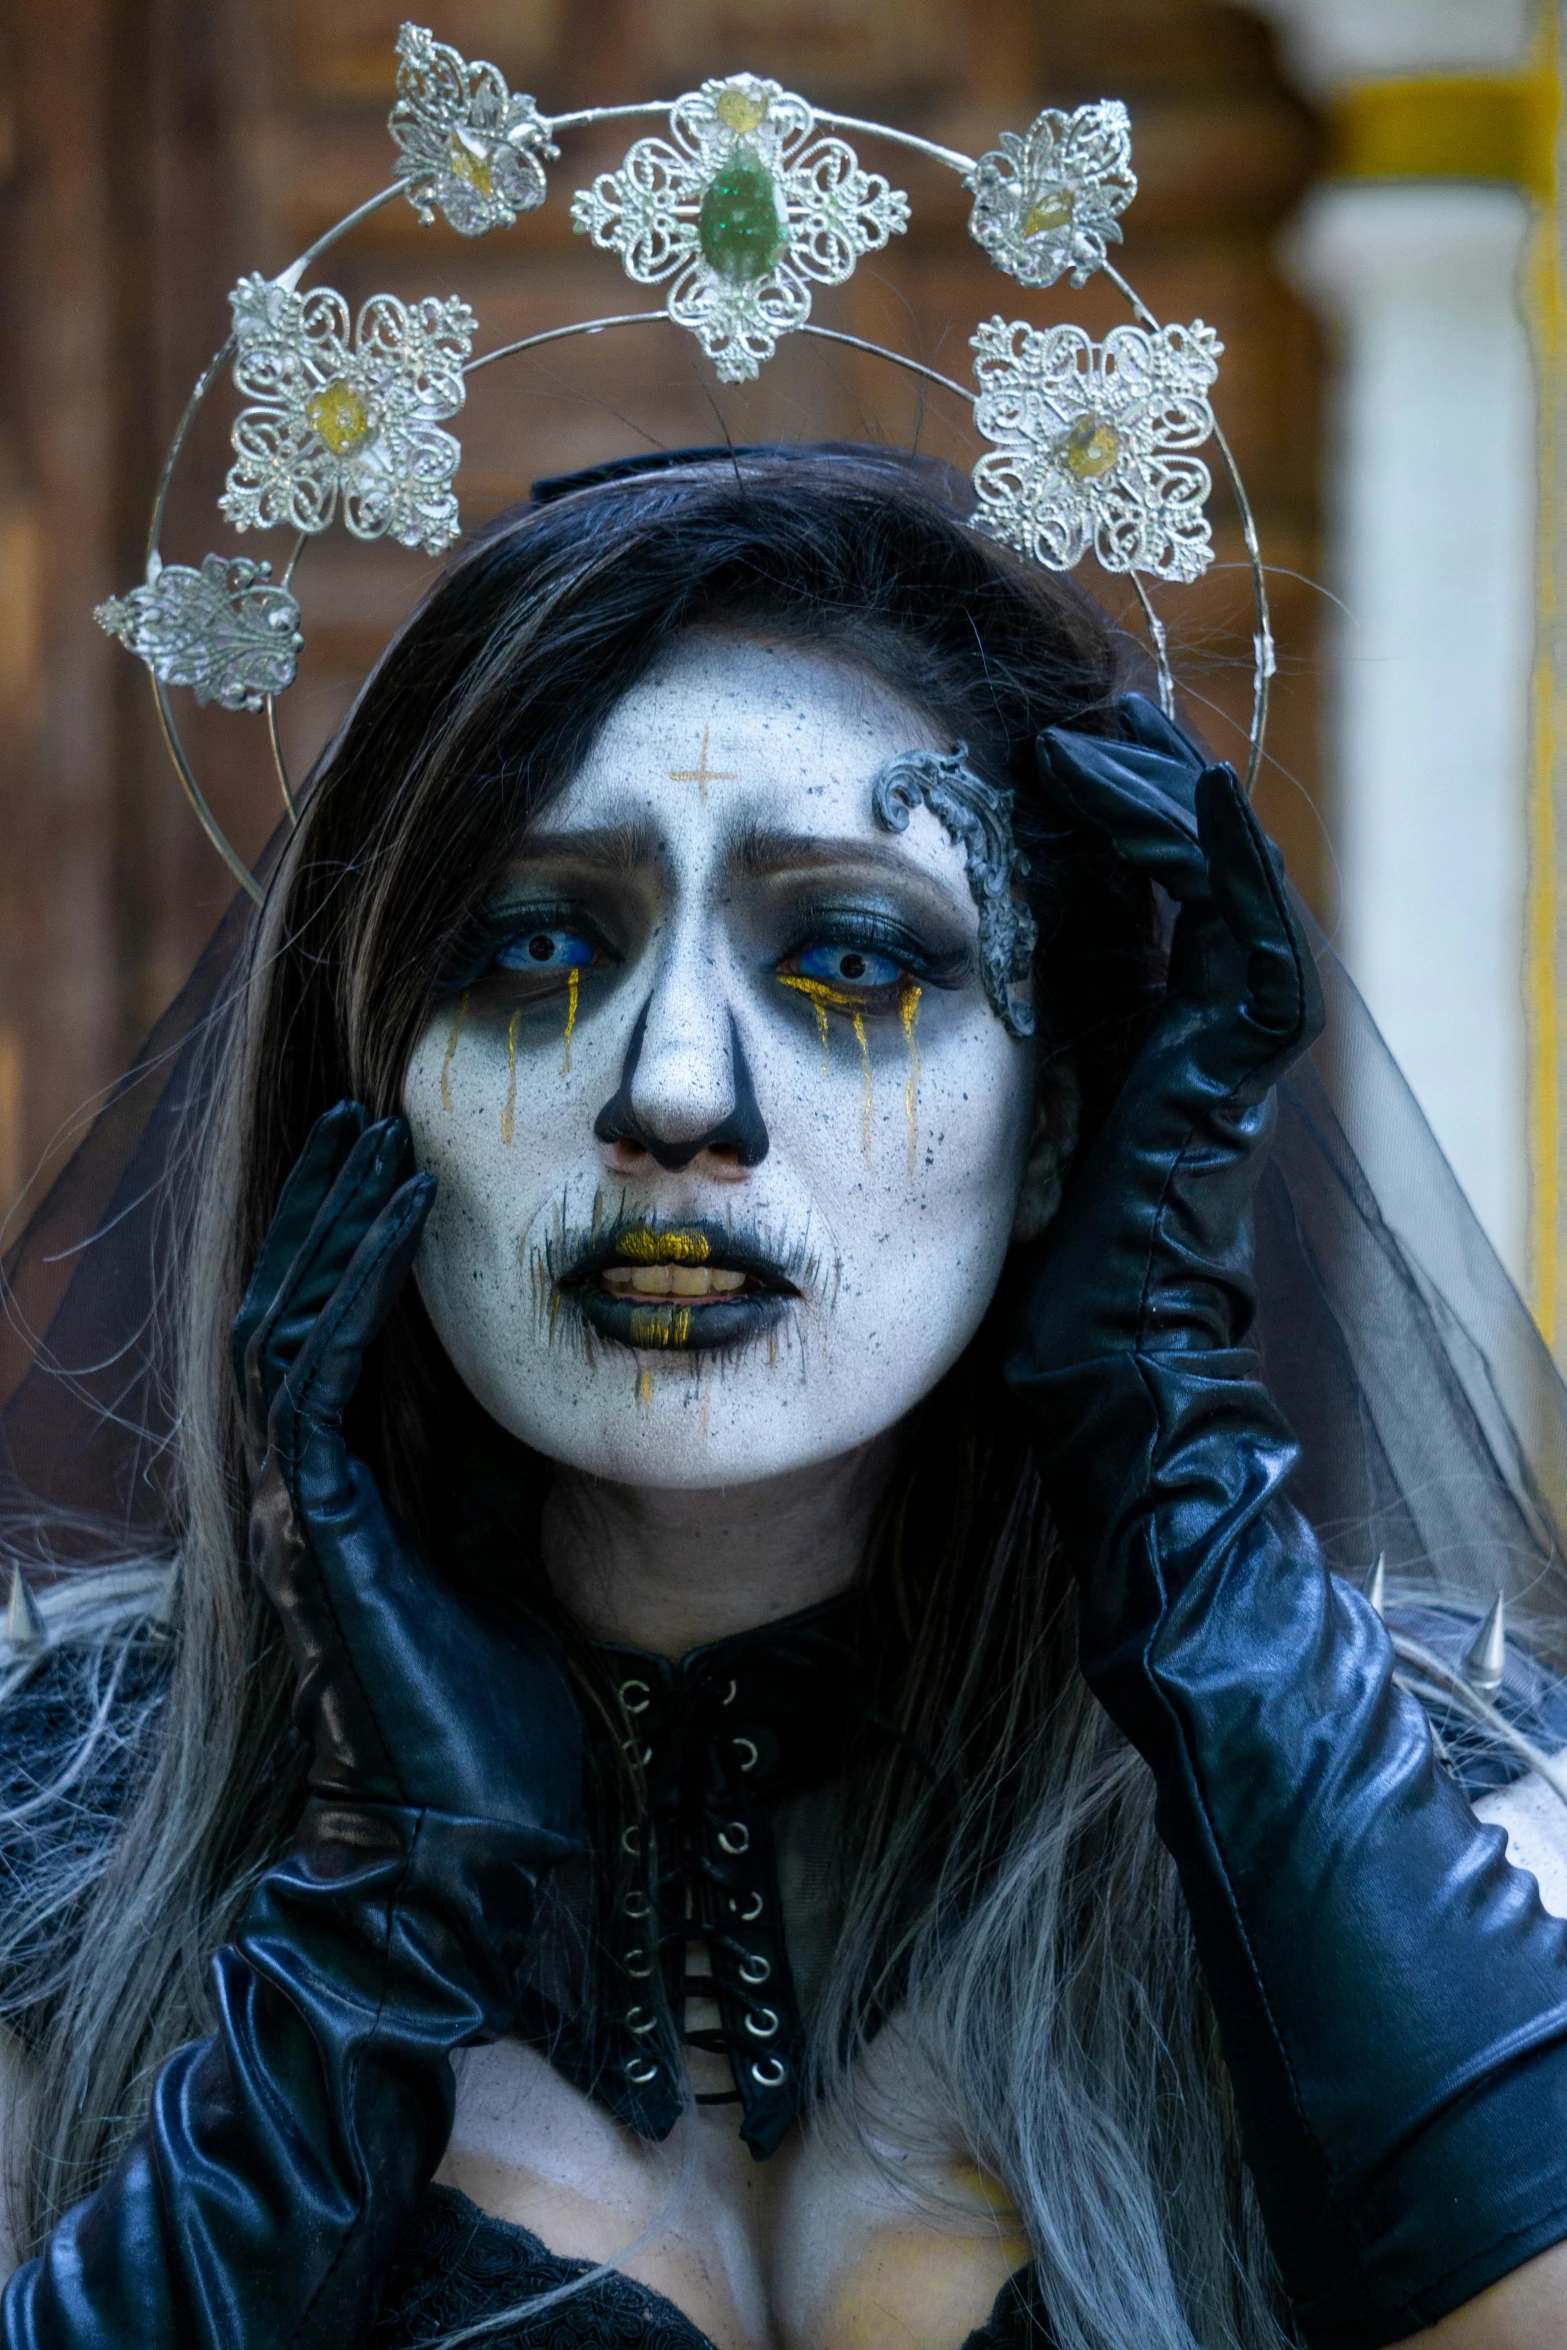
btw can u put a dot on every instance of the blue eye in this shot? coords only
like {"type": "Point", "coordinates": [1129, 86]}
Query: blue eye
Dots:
{"type": "Point", "coordinates": [849, 967]}
{"type": "Point", "coordinates": [544, 950]}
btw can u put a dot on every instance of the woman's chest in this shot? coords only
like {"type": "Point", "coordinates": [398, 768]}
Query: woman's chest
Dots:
{"type": "Point", "coordinates": [822, 2247]}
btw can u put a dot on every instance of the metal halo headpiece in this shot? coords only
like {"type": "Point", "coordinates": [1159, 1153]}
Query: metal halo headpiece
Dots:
{"type": "Point", "coordinates": [751, 200]}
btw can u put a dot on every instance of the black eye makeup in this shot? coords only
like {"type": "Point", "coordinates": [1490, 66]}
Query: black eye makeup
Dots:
{"type": "Point", "coordinates": [863, 961]}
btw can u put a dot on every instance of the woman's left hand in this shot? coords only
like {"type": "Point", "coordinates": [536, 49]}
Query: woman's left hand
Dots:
{"type": "Point", "coordinates": [1392, 1996]}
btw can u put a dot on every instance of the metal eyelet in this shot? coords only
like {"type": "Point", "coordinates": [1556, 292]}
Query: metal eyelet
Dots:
{"type": "Point", "coordinates": [757, 2029]}
{"type": "Point", "coordinates": [637, 1752]}
{"type": "Point", "coordinates": [639, 2070]}
{"type": "Point", "coordinates": [752, 1910]}
{"type": "Point", "coordinates": [771, 2073]}
{"type": "Point", "coordinates": [640, 2021]}
{"type": "Point", "coordinates": [730, 1693]}
{"type": "Point", "coordinates": [637, 1905]}
{"type": "Point", "coordinates": [635, 1696]}
{"type": "Point", "coordinates": [735, 1838]}
{"type": "Point", "coordinates": [754, 1968]}
{"type": "Point", "coordinates": [749, 1752]}
{"type": "Point", "coordinates": [637, 1965]}
{"type": "Point", "coordinates": [631, 1840]}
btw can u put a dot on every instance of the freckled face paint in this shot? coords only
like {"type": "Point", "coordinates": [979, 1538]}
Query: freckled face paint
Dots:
{"type": "Point", "coordinates": [656, 1310]}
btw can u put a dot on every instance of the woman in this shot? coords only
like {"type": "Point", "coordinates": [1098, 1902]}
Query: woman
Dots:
{"type": "Point", "coordinates": [747, 1325]}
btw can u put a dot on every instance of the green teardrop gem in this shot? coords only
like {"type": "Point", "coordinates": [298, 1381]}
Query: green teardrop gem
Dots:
{"type": "Point", "coordinates": [739, 230]}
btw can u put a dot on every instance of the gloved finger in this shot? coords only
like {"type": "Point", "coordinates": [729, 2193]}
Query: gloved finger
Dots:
{"type": "Point", "coordinates": [379, 1161]}
{"type": "Point", "coordinates": [331, 1139]}
{"type": "Point", "coordinates": [317, 1385]}
{"type": "Point", "coordinates": [1144, 722]}
{"type": "Point", "coordinates": [1142, 798]}
{"type": "Point", "coordinates": [1283, 991]}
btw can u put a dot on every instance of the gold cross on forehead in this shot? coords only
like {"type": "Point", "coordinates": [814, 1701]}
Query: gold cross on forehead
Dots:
{"type": "Point", "coordinates": [701, 774]}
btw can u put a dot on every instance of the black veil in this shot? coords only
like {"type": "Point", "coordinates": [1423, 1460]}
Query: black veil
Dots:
{"type": "Point", "coordinates": [1431, 1418]}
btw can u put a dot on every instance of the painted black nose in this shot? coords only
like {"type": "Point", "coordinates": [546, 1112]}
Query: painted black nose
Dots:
{"type": "Point", "coordinates": [741, 1131]}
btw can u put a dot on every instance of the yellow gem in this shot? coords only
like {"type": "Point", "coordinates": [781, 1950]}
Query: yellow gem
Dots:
{"type": "Point", "coordinates": [469, 159]}
{"type": "Point", "coordinates": [740, 109]}
{"type": "Point", "coordinates": [1089, 449]}
{"type": "Point", "coordinates": [340, 417]}
{"type": "Point", "coordinates": [1053, 210]}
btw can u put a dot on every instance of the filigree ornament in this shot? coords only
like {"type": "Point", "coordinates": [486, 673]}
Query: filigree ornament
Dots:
{"type": "Point", "coordinates": [222, 630]}
{"type": "Point", "coordinates": [978, 818]}
{"type": "Point", "coordinates": [745, 211]}
{"type": "Point", "coordinates": [469, 148]}
{"type": "Point", "coordinates": [1092, 444]}
{"type": "Point", "coordinates": [355, 416]}
{"type": "Point", "coordinates": [1050, 201]}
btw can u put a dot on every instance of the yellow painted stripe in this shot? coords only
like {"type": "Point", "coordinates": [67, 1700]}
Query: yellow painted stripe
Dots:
{"type": "Point", "coordinates": [1447, 126]}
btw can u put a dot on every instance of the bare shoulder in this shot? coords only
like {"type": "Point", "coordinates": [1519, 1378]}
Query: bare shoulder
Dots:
{"type": "Point", "coordinates": [1535, 1818]}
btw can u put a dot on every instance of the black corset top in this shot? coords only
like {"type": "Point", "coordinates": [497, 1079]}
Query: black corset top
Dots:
{"type": "Point", "coordinates": [718, 1738]}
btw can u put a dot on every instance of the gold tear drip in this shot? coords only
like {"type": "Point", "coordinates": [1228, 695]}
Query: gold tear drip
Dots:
{"type": "Point", "coordinates": [909, 1006]}
{"type": "Point", "coordinates": [865, 1062]}
{"type": "Point", "coordinates": [818, 995]}
{"type": "Point", "coordinates": [572, 978]}
{"type": "Point", "coordinates": [451, 1047]}
{"type": "Point", "coordinates": [509, 1114]}
{"type": "Point", "coordinates": [772, 1348]}
{"type": "Point", "coordinates": [645, 1389]}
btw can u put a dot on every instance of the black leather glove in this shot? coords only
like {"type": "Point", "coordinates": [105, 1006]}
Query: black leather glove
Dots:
{"type": "Point", "coordinates": [1392, 1996]}
{"type": "Point", "coordinates": [263, 2201]}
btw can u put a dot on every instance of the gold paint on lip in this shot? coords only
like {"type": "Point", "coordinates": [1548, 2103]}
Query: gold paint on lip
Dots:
{"type": "Point", "coordinates": [646, 1247]}
{"type": "Point", "coordinates": [662, 1325]}
{"type": "Point", "coordinates": [451, 1047]}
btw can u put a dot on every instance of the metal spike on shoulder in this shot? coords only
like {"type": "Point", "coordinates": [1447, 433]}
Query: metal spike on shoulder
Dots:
{"type": "Point", "coordinates": [1485, 1663]}
{"type": "Point", "coordinates": [25, 1628]}
{"type": "Point", "coordinates": [1376, 1585]}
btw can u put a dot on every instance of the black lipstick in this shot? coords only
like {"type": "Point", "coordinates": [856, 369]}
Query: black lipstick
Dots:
{"type": "Point", "coordinates": [686, 1288]}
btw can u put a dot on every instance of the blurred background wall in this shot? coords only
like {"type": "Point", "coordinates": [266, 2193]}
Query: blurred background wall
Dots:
{"type": "Point", "coordinates": [1358, 194]}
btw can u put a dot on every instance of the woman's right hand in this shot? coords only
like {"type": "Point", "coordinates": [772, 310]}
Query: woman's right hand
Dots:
{"type": "Point", "coordinates": [410, 1692]}
{"type": "Point", "coordinates": [282, 2158]}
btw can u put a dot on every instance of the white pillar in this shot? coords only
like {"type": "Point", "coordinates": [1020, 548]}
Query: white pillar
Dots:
{"type": "Point", "coordinates": [1431, 492]}
{"type": "Point", "coordinates": [1432, 533]}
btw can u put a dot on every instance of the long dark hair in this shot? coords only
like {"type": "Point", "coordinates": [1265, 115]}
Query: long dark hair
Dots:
{"type": "Point", "coordinates": [1008, 1895]}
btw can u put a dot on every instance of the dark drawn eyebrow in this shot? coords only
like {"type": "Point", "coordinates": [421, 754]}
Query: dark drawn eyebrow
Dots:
{"type": "Point", "coordinates": [609, 848]}
{"type": "Point", "coordinates": [762, 855]}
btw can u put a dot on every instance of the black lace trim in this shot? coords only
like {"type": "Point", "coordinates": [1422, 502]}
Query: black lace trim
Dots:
{"type": "Point", "coordinates": [458, 2266]}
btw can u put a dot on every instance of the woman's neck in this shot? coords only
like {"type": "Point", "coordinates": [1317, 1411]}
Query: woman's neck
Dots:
{"type": "Point", "coordinates": [667, 1570]}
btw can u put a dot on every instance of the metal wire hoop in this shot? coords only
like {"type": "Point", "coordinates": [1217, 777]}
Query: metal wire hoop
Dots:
{"type": "Point", "coordinates": [1263, 642]}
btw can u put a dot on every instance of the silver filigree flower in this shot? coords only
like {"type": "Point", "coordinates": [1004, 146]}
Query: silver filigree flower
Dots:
{"type": "Point", "coordinates": [745, 210]}
{"type": "Point", "coordinates": [355, 415]}
{"type": "Point", "coordinates": [1050, 201]}
{"type": "Point", "coordinates": [1093, 441]}
{"type": "Point", "coordinates": [469, 148]}
{"type": "Point", "coordinates": [223, 630]}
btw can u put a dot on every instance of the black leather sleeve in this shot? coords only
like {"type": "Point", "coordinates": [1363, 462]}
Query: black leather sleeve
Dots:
{"type": "Point", "coordinates": [1392, 1995]}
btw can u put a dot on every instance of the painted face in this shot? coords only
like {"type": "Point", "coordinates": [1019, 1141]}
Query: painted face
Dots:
{"type": "Point", "coordinates": [729, 1138]}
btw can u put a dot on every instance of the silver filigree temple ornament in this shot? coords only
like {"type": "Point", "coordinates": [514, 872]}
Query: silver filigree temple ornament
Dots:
{"type": "Point", "coordinates": [749, 202]}
{"type": "Point", "coordinates": [352, 415]}
{"type": "Point", "coordinates": [468, 147]}
{"type": "Point", "coordinates": [1052, 200]}
{"type": "Point", "coordinates": [224, 630]}
{"type": "Point", "coordinates": [745, 210]}
{"type": "Point", "coordinates": [978, 818]}
{"type": "Point", "coordinates": [1093, 444]}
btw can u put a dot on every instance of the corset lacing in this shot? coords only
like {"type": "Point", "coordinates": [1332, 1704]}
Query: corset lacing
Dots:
{"type": "Point", "coordinates": [720, 1736]}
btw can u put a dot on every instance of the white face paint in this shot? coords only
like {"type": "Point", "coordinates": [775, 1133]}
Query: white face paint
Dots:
{"type": "Point", "coordinates": [729, 1140]}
